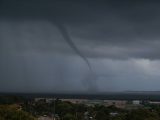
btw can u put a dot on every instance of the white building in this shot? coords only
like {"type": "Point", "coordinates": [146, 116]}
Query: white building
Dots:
{"type": "Point", "coordinates": [136, 102]}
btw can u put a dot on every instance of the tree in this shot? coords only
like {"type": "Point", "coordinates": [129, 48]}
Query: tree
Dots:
{"type": "Point", "coordinates": [10, 112]}
{"type": "Point", "coordinates": [142, 114]}
{"type": "Point", "coordinates": [69, 116]}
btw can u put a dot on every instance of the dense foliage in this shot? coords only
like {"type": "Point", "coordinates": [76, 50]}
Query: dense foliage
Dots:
{"type": "Point", "coordinates": [70, 111]}
{"type": "Point", "coordinates": [12, 112]}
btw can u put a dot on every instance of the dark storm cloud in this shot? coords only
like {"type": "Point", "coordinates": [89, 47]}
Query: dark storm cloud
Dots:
{"type": "Point", "coordinates": [119, 38]}
{"type": "Point", "coordinates": [131, 26]}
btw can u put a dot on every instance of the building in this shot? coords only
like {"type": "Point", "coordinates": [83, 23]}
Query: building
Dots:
{"type": "Point", "coordinates": [136, 102]}
{"type": "Point", "coordinates": [76, 101]}
{"type": "Point", "coordinates": [116, 103]}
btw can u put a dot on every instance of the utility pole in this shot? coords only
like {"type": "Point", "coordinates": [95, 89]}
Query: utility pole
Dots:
{"type": "Point", "coordinates": [54, 109]}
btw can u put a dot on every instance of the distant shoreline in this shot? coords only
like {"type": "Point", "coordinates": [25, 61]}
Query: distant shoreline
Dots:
{"type": "Point", "coordinates": [129, 95]}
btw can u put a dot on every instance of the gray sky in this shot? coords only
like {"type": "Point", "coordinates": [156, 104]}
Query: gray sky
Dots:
{"type": "Point", "coordinates": [120, 39]}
